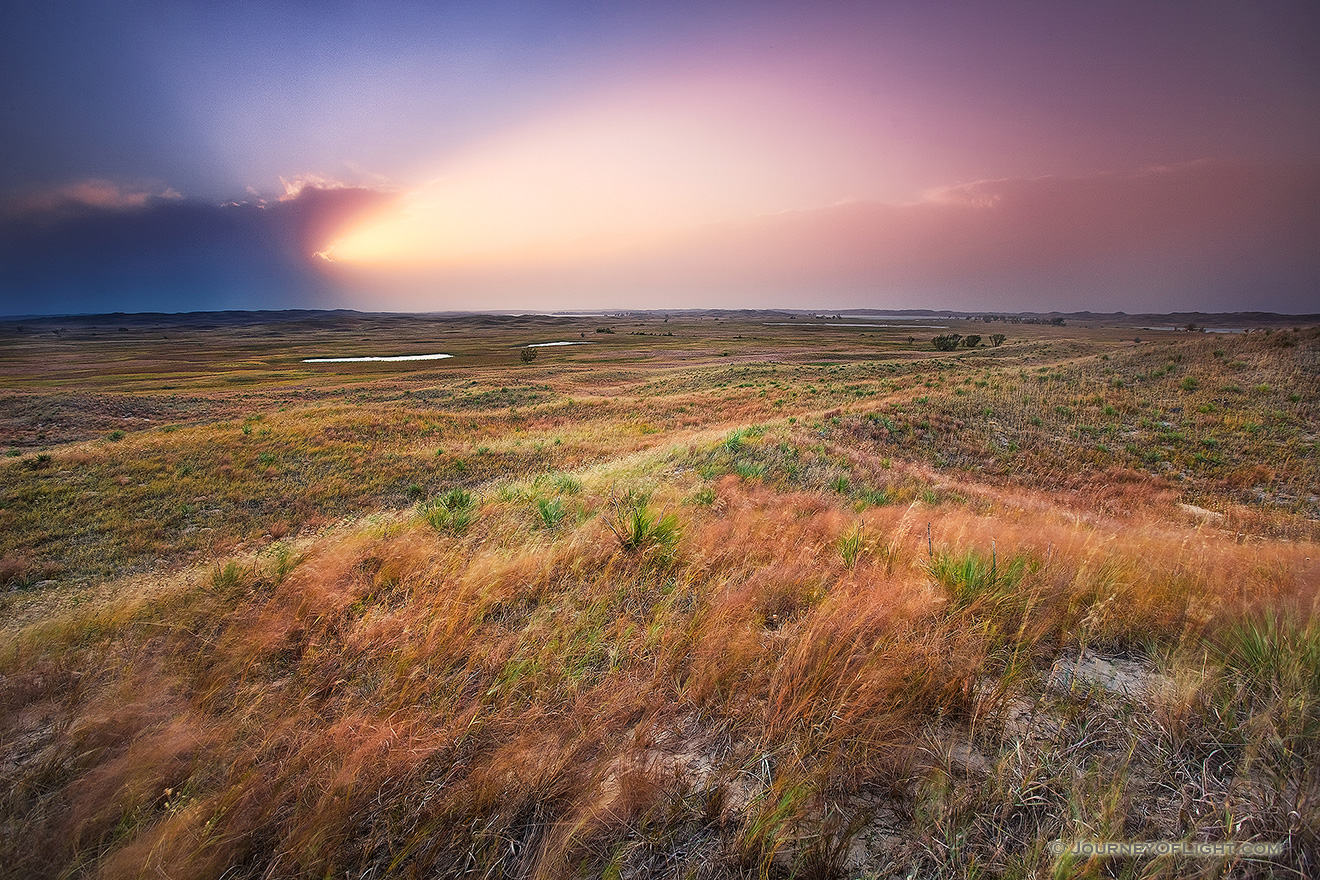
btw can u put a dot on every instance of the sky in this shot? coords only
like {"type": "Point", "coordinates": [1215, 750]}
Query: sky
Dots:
{"type": "Point", "coordinates": [421, 156]}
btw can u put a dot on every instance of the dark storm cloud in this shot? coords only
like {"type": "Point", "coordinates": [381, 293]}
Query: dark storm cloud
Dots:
{"type": "Point", "coordinates": [93, 247]}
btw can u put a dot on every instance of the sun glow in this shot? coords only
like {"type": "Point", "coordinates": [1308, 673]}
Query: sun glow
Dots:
{"type": "Point", "coordinates": [610, 180]}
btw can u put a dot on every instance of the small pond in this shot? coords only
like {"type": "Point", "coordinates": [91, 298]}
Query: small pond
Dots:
{"type": "Point", "coordinates": [548, 344]}
{"type": "Point", "coordinates": [359, 360]}
{"type": "Point", "coordinates": [845, 324]}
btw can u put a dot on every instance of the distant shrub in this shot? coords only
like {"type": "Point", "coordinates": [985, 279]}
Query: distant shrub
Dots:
{"type": "Point", "coordinates": [998, 339]}
{"type": "Point", "coordinates": [948, 342]}
{"type": "Point", "coordinates": [15, 571]}
{"type": "Point", "coordinates": [971, 340]}
{"type": "Point", "coordinates": [1189, 383]}
{"type": "Point", "coordinates": [115, 436]}
{"type": "Point", "coordinates": [528, 355]}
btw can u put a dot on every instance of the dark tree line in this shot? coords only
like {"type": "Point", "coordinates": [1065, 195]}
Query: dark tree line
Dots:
{"type": "Point", "coordinates": [951, 341]}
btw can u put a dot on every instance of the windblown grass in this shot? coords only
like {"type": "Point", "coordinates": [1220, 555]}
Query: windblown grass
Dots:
{"type": "Point", "coordinates": [737, 631]}
{"type": "Point", "coordinates": [410, 702]}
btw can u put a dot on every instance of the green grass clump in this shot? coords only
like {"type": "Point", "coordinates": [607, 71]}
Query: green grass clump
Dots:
{"type": "Point", "coordinates": [876, 497]}
{"type": "Point", "coordinates": [551, 512]}
{"type": "Point", "coordinates": [568, 484]}
{"type": "Point", "coordinates": [972, 575]}
{"type": "Point", "coordinates": [704, 496]}
{"type": "Point", "coordinates": [452, 512]}
{"type": "Point", "coordinates": [724, 691]}
{"type": "Point", "coordinates": [642, 531]}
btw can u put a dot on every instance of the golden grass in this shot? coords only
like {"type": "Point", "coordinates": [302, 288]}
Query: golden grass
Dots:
{"type": "Point", "coordinates": [520, 697]}
{"type": "Point", "coordinates": [422, 700]}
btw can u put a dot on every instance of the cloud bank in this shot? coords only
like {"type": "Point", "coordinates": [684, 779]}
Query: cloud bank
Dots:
{"type": "Point", "coordinates": [95, 246]}
{"type": "Point", "coordinates": [1208, 235]}
{"type": "Point", "coordinates": [1204, 235]}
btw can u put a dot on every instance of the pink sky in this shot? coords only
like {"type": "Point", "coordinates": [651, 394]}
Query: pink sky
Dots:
{"type": "Point", "coordinates": [520, 154]}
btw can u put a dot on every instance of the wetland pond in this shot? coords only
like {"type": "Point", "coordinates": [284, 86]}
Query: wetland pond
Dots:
{"type": "Point", "coordinates": [548, 344]}
{"type": "Point", "coordinates": [358, 360]}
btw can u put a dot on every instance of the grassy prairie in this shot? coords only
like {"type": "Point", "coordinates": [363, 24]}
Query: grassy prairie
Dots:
{"type": "Point", "coordinates": [705, 595]}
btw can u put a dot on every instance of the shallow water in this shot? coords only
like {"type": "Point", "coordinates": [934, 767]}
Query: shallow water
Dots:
{"type": "Point", "coordinates": [853, 324]}
{"type": "Point", "coordinates": [889, 318]}
{"type": "Point", "coordinates": [1199, 330]}
{"type": "Point", "coordinates": [357, 360]}
{"type": "Point", "coordinates": [548, 344]}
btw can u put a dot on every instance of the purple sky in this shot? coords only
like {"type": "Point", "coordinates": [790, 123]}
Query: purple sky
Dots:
{"type": "Point", "coordinates": [416, 156]}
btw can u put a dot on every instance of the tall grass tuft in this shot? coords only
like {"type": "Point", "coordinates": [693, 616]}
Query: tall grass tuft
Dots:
{"type": "Point", "coordinates": [850, 545]}
{"type": "Point", "coordinates": [1276, 657]}
{"type": "Point", "coordinates": [229, 577]}
{"type": "Point", "coordinates": [1275, 650]}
